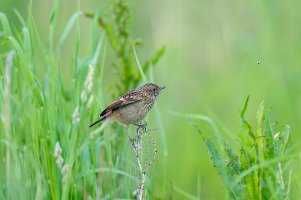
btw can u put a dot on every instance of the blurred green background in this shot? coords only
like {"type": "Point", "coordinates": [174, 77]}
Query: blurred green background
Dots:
{"type": "Point", "coordinates": [217, 53]}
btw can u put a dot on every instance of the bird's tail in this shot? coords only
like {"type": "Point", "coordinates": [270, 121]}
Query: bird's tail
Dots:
{"type": "Point", "coordinates": [97, 121]}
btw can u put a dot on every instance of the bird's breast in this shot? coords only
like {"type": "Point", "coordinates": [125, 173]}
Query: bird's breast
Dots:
{"type": "Point", "coordinates": [133, 113]}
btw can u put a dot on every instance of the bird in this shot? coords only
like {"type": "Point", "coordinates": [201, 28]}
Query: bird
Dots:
{"type": "Point", "coordinates": [132, 107]}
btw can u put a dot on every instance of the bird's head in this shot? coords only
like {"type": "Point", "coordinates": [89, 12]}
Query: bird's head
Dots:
{"type": "Point", "coordinates": [152, 89]}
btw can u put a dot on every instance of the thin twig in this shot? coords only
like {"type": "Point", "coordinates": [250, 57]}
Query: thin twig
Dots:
{"type": "Point", "coordinates": [137, 145]}
{"type": "Point", "coordinates": [141, 189]}
{"type": "Point", "coordinates": [151, 141]}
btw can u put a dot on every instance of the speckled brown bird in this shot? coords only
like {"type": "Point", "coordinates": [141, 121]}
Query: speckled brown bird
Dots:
{"type": "Point", "coordinates": [133, 106]}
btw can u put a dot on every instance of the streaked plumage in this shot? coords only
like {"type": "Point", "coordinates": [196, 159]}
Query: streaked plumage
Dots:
{"type": "Point", "coordinates": [133, 106]}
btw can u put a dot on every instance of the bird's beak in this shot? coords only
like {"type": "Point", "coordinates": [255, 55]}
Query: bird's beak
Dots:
{"type": "Point", "coordinates": [161, 88]}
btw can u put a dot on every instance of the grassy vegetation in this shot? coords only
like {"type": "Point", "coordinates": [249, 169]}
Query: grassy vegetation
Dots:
{"type": "Point", "coordinates": [261, 166]}
{"type": "Point", "coordinates": [52, 86]}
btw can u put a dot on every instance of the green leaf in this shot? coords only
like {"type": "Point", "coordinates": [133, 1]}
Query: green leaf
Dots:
{"type": "Point", "coordinates": [5, 25]}
{"type": "Point", "coordinates": [68, 28]}
{"type": "Point", "coordinates": [245, 123]}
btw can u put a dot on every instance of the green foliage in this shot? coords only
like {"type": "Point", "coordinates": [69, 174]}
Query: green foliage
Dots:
{"type": "Point", "coordinates": [255, 170]}
{"type": "Point", "coordinates": [41, 115]}
{"type": "Point", "coordinates": [120, 39]}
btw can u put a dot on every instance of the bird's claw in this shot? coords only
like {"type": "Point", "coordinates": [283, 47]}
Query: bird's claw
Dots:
{"type": "Point", "coordinates": [142, 126]}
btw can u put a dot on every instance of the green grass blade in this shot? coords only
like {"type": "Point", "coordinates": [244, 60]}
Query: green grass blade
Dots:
{"type": "Point", "coordinates": [139, 66]}
{"type": "Point", "coordinates": [5, 25]}
{"type": "Point", "coordinates": [70, 24]}
{"type": "Point", "coordinates": [184, 193]}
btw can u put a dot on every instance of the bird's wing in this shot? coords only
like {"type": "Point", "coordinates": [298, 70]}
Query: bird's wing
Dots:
{"type": "Point", "coordinates": [120, 102]}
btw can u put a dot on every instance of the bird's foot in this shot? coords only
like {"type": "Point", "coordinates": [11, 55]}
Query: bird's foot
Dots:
{"type": "Point", "coordinates": [142, 126]}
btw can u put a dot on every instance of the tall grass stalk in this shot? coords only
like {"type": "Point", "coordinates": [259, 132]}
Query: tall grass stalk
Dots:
{"type": "Point", "coordinates": [254, 169]}
{"type": "Point", "coordinates": [6, 114]}
{"type": "Point", "coordinates": [43, 113]}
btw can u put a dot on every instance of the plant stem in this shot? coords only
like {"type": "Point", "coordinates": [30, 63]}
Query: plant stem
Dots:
{"type": "Point", "coordinates": [142, 172]}
{"type": "Point", "coordinates": [6, 113]}
{"type": "Point", "coordinates": [135, 143]}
